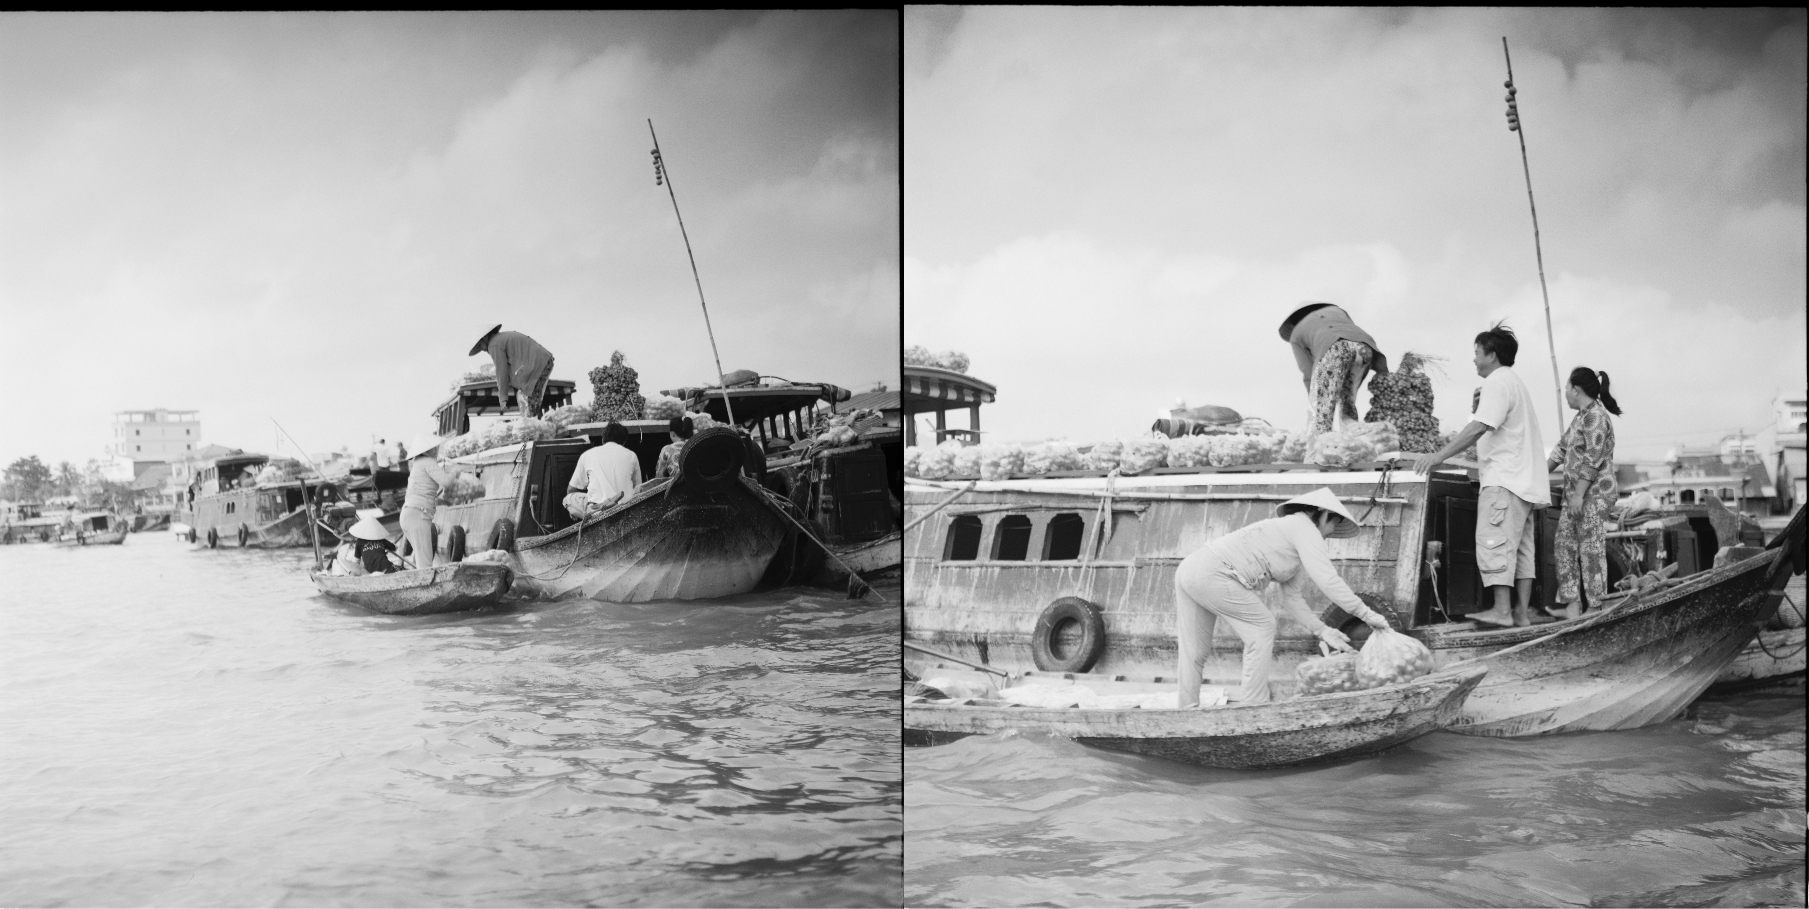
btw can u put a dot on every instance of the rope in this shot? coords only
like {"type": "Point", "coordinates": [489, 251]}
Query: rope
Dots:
{"type": "Point", "coordinates": [830, 552]}
{"type": "Point", "coordinates": [1760, 639]}
{"type": "Point", "coordinates": [943, 504]}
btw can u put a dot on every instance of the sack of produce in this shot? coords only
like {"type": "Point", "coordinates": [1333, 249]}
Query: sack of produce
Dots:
{"type": "Point", "coordinates": [999, 462]}
{"type": "Point", "coordinates": [1142, 455]}
{"type": "Point", "coordinates": [1324, 675]}
{"type": "Point", "coordinates": [1339, 449]}
{"type": "Point", "coordinates": [1293, 448]}
{"type": "Point", "coordinates": [1389, 657]}
{"type": "Point", "coordinates": [965, 461]}
{"type": "Point", "coordinates": [953, 361]}
{"type": "Point", "coordinates": [1189, 451]}
{"type": "Point", "coordinates": [1404, 398]}
{"type": "Point", "coordinates": [739, 378]}
{"type": "Point", "coordinates": [492, 556]}
{"type": "Point", "coordinates": [617, 388]}
{"type": "Point", "coordinates": [936, 463]}
{"type": "Point", "coordinates": [664, 407]}
{"type": "Point", "coordinates": [1380, 434]}
{"type": "Point", "coordinates": [913, 455]}
{"type": "Point", "coordinates": [1104, 456]}
{"type": "Point", "coordinates": [564, 417]}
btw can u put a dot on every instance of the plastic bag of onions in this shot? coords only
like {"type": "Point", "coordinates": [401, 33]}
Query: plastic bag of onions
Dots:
{"type": "Point", "coordinates": [1390, 657]}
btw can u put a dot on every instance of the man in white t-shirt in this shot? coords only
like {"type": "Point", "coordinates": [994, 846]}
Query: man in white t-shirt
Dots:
{"type": "Point", "coordinates": [606, 474]}
{"type": "Point", "coordinates": [1513, 478]}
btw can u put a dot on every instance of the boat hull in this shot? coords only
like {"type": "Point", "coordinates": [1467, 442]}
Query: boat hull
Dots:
{"type": "Point", "coordinates": [288, 531]}
{"type": "Point", "coordinates": [1640, 663]}
{"type": "Point", "coordinates": [1249, 737]}
{"type": "Point", "coordinates": [673, 541]}
{"type": "Point", "coordinates": [100, 538]}
{"type": "Point", "coordinates": [425, 591]}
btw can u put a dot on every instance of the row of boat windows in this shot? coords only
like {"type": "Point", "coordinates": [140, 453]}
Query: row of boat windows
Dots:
{"type": "Point", "coordinates": [1688, 496]}
{"type": "Point", "coordinates": [1010, 542]}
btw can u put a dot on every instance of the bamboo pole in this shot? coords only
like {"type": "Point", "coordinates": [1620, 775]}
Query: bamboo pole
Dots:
{"type": "Point", "coordinates": [1538, 252]}
{"type": "Point", "coordinates": [661, 175]}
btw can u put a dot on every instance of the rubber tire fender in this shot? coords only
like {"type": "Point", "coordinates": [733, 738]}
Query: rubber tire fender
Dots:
{"type": "Point", "coordinates": [455, 544]}
{"type": "Point", "coordinates": [213, 538]}
{"type": "Point", "coordinates": [244, 535]}
{"type": "Point", "coordinates": [502, 535]}
{"type": "Point", "coordinates": [712, 458]}
{"type": "Point", "coordinates": [1353, 627]}
{"type": "Point", "coordinates": [1092, 636]}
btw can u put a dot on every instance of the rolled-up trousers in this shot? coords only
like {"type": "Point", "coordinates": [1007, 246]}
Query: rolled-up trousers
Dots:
{"type": "Point", "coordinates": [1206, 593]}
{"type": "Point", "coordinates": [417, 529]}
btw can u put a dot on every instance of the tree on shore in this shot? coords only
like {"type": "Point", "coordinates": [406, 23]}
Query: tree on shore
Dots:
{"type": "Point", "coordinates": [26, 480]}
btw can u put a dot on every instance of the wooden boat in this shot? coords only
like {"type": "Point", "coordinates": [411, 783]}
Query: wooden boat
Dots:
{"type": "Point", "coordinates": [996, 571]}
{"type": "Point", "coordinates": [708, 532]}
{"type": "Point", "coordinates": [1778, 651]}
{"type": "Point", "coordinates": [94, 528]}
{"type": "Point", "coordinates": [423, 591]}
{"type": "Point", "coordinates": [227, 505]}
{"type": "Point", "coordinates": [1255, 736]}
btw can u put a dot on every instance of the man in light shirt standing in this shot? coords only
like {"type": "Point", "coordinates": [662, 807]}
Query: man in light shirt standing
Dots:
{"type": "Point", "coordinates": [605, 474]}
{"type": "Point", "coordinates": [1514, 482]}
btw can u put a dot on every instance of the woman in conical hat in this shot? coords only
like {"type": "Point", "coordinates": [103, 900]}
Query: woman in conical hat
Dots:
{"type": "Point", "coordinates": [1222, 582]}
{"type": "Point", "coordinates": [428, 480]}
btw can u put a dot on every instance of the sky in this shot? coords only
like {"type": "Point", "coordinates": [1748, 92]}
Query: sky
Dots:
{"type": "Point", "coordinates": [308, 219]}
{"type": "Point", "coordinates": [1112, 209]}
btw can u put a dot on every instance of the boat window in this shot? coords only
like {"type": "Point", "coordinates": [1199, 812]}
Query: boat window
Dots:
{"type": "Point", "coordinates": [1727, 495]}
{"type": "Point", "coordinates": [1066, 531]}
{"type": "Point", "coordinates": [963, 539]}
{"type": "Point", "coordinates": [1688, 497]}
{"type": "Point", "coordinates": [1011, 543]}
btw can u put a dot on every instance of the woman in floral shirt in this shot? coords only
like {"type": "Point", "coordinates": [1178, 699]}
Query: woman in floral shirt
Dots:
{"type": "Point", "coordinates": [1586, 454]}
{"type": "Point", "coordinates": [680, 429]}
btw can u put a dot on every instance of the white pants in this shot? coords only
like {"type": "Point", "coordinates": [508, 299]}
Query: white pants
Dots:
{"type": "Point", "coordinates": [1205, 593]}
{"type": "Point", "coordinates": [417, 529]}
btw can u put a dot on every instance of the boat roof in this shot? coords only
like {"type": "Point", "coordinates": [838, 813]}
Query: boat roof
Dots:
{"type": "Point", "coordinates": [554, 388]}
{"type": "Point", "coordinates": [928, 389]}
{"type": "Point", "coordinates": [753, 403]}
{"type": "Point", "coordinates": [1165, 477]}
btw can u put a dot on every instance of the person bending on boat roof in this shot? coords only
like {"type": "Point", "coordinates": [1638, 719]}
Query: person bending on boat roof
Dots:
{"type": "Point", "coordinates": [523, 367]}
{"type": "Point", "coordinates": [428, 481]}
{"type": "Point", "coordinates": [604, 476]}
{"type": "Point", "coordinates": [1334, 356]}
{"type": "Point", "coordinates": [1222, 580]}
{"type": "Point", "coordinates": [369, 551]}
{"type": "Point", "coordinates": [1586, 455]}
{"type": "Point", "coordinates": [1514, 483]}
{"type": "Point", "coordinates": [680, 429]}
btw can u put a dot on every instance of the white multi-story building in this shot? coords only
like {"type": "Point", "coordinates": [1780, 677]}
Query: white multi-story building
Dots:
{"type": "Point", "coordinates": [1781, 449]}
{"type": "Point", "coordinates": [155, 435]}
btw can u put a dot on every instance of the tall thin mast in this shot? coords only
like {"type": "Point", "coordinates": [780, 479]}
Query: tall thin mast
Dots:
{"type": "Point", "coordinates": [1513, 116]}
{"type": "Point", "coordinates": [662, 177]}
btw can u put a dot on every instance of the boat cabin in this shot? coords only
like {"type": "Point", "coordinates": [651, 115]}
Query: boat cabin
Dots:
{"type": "Point", "coordinates": [480, 398]}
{"type": "Point", "coordinates": [933, 390]}
{"type": "Point", "coordinates": [778, 416]}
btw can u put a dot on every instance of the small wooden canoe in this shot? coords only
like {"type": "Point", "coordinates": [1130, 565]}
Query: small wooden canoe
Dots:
{"type": "Point", "coordinates": [1247, 737]}
{"type": "Point", "coordinates": [423, 591]}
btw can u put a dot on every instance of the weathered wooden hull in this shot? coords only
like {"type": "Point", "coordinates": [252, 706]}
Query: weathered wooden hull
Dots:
{"type": "Point", "coordinates": [1282, 733]}
{"type": "Point", "coordinates": [290, 530]}
{"type": "Point", "coordinates": [871, 559]}
{"type": "Point", "coordinates": [425, 591]}
{"type": "Point", "coordinates": [674, 541]}
{"type": "Point", "coordinates": [1641, 663]}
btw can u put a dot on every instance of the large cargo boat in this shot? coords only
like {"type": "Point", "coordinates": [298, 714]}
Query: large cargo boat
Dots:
{"type": "Point", "coordinates": [1075, 572]}
{"type": "Point", "coordinates": [226, 505]}
{"type": "Point", "coordinates": [708, 532]}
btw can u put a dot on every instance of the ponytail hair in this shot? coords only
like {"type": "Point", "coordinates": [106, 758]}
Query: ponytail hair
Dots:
{"type": "Point", "coordinates": [1595, 385]}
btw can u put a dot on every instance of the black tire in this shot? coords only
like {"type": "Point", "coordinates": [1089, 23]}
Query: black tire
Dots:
{"type": "Point", "coordinates": [756, 460]}
{"type": "Point", "coordinates": [244, 535]}
{"type": "Point", "coordinates": [711, 459]}
{"type": "Point", "coordinates": [502, 535]}
{"type": "Point", "coordinates": [1353, 627]}
{"type": "Point", "coordinates": [1045, 643]}
{"type": "Point", "coordinates": [455, 544]}
{"type": "Point", "coordinates": [213, 538]}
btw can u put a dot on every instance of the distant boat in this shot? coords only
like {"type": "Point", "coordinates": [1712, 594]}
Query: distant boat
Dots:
{"type": "Point", "coordinates": [94, 528]}
{"type": "Point", "coordinates": [226, 505]}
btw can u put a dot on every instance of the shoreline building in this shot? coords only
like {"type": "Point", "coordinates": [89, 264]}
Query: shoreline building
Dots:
{"type": "Point", "coordinates": [1781, 448]}
{"type": "Point", "coordinates": [145, 446]}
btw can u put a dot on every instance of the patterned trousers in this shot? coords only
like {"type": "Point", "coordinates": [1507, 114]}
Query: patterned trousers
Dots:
{"type": "Point", "coordinates": [1335, 380]}
{"type": "Point", "coordinates": [1582, 552]}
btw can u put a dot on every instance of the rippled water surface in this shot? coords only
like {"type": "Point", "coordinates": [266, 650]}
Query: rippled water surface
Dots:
{"type": "Point", "coordinates": [201, 728]}
{"type": "Point", "coordinates": [1703, 811]}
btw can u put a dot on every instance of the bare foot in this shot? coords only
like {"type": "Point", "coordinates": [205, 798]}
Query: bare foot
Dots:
{"type": "Point", "coordinates": [1496, 616]}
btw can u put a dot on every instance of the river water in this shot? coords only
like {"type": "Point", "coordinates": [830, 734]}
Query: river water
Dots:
{"type": "Point", "coordinates": [190, 728]}
{"type": "Point", "coordinates": [1707, 810]}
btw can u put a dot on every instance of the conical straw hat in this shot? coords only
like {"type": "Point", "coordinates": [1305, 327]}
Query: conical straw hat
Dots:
{"type": "Point", "coordinates": [1323, 498]}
